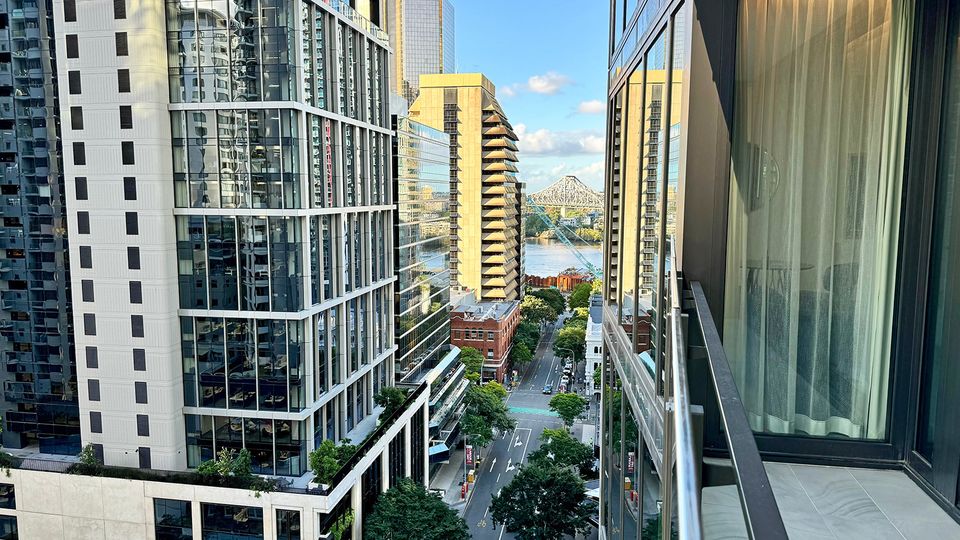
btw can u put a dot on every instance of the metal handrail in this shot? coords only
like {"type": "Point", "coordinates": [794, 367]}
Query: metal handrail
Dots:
{"type": "Point", "coordinates": [760, 511]}
{"type": "Point", "coordinates": [678, 441]}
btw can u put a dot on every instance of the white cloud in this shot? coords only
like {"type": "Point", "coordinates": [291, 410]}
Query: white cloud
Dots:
{"type": "Point", "coordinates": [559, 143]}
{"type": "Point", "coordinates": [549, 83]}
{"type": "Point", "coordinates": [593, 106]}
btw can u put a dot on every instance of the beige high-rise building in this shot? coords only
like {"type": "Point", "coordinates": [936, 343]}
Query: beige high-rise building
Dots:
{"type": "Point", "coordinates": [486, 229]}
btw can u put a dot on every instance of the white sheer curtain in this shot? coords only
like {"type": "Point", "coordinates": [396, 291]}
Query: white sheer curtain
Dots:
{"type": "Point", "coordinates": [814, 208]}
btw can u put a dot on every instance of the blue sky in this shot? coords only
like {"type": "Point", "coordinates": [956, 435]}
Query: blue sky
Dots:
{"type": "Point", "coordinates": [548, 61]}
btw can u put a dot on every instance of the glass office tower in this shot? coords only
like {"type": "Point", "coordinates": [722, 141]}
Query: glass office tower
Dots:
{"type": "Point", "coordinates": [423, 39]}
{"type": "Point", "coordinates": [39, 404]}
{"type": "Point", "coordinates": [422, 179]}
{"type": "Point", "coordinates": [779, 192]}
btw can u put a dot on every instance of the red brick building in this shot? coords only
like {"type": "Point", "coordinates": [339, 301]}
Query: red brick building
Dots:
{"type": "Point", "coordinates": [489, 328]}
{"type": "Point", "coordinates": [565, 281]}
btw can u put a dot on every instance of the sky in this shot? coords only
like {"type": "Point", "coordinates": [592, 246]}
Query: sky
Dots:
{"type": "Point", "coordinates": [548, 61]}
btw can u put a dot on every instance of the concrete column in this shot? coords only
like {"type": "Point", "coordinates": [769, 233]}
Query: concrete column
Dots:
{"type": "Point", "coordinates": [425, 411]}
{"type": "Point", "coordinates": [356, 502]}
{"type": "Point", "coordinates": [385, 469]}
{"type": "Point", "coordinates": [407, 447]}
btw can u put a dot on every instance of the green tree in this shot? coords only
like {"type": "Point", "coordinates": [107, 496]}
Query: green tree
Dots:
{"type": "Point", "coordinates": [580, 297]}
{"type": "Point", "coordinates": [485, 411]}
{"type": "Point", "coordinates": [228, 462]}
{"type": "Point", "coordinates": [520, 355]}
{"type": "Point", "coordinates": [527, 333]}
{"type": "Point", "coordinates": [576, 322]}
{"type": "Point", "coordinates": [560, 448]}
{"type": "Point", "coordinates": [597, 286]}
{"type": "Point", "coordinates": [653, 529]}
{"type": "Point", "coordinates": [568, 406]}
{"type": "Point", "coordinates": [390, 398]}
{"type": "Point", "coordinates": [571, 341]}
{"type": "Point", "coordinates": [473, 359]}
{"type": "Point", "coordinates": [543, 503]}
{"type": "Point", "coordinates": [597, 375]}
{"type": "Point", "coordinates": [327, 459]}
{"type": "Point", "coordinates": [407, 510]}
{"type": "Point", "coordinates": [553, 297]}
{"type": "Point", "coordinates": [536, 310]}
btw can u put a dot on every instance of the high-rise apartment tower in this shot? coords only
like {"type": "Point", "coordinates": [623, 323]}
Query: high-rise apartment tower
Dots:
{"type": "Point", "coordinates": [486, 219]}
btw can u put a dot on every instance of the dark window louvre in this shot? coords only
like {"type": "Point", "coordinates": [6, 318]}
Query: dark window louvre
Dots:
{"type": "Point", "coordinates": [86, 288]}
{"type": "Point", "coordinates": [136, 325]}
{"type": "Point", "coordinates": [89, 324]}
{"type": "Point", "coordinates": [126, 117]}
{"type": "Point", "coordinates": [129, 188]}
{"type": "Point", "coordinates": [139, 360]}
{"type": "Point", "coordinates": [73, 82]}
{"type": "Point", "coordinates": [126, 150]}
{"type": "Point", "coordinates": [133, 258]}
{"type": "Point", "coordinates": [73, 46]}
{"type": "Point", "coordinates": [93, 360]}
{"type": "Point", "coordinates": [119, 9]}
{"type": "Point", "coordinates": [122, 44]}
{"type": "Point", "coordinates": [79, 154]}
{"type": "Point", "coordinates": [80, 183]}
{"type": "Point", "coordinates": [96, 422]}
{"type": "Point", "coordinates": [76, 117]}
{"type": "Point", "coordinates": [83, 222]}
{"type": "Point", "coordinates": [123, 81]}
{"type": "Point", "coordinates": [69, 10]}
{"type": "Point", "coordinates": [144, 453]}
{"type": "Point", "coordinates": [140, 392]}
{"type": "Point", "coordinates": [133, 227]}
{"type": "Point", "coordinates": [93, 389]}
{"type": "Point", "coordinates": [136, 292]}
{"type": "Point", "coordinates": [143, 425]}
{"type": "Point", "coordinates": [86, 257]}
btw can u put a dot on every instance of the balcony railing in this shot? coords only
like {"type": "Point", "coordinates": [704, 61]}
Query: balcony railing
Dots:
{"type": "Point", "coordinates": [693, 341]}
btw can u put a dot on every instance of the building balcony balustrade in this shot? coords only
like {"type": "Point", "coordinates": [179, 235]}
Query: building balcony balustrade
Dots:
{"type": "Point", "coordinates": [730, 491]}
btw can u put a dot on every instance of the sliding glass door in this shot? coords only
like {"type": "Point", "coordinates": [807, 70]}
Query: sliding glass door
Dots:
{"type": "Point", "coordinates": [937, 443]}
{"type": "Point", "coordinates": [814, 212]}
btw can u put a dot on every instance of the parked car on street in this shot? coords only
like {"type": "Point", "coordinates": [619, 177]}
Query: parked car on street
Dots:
{"type": "Point", "coordinates": [548, 389]}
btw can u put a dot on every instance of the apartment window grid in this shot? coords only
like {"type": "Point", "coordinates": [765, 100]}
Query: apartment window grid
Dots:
{"type": "Point", "coordinates": [259, 264]}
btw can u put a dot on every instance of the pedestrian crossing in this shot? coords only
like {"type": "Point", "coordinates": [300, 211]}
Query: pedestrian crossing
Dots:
{"type": "Point", "coordinates": [531, 410]}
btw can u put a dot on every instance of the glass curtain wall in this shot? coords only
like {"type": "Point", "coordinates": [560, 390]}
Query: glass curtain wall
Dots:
{"type": "Point", "coordinates": [814, 212]}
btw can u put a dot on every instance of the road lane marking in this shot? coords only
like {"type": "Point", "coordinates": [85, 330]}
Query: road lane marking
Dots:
{"type": "Point", "coordinates": [498, 481]}
{"type": "Point", "coordinates": [492, 464]}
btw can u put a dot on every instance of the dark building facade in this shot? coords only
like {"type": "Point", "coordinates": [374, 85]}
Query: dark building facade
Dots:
{"type": "Point", "coordinates": [39, 404]}
{"type": "Point", "coordinates": [781, 190]}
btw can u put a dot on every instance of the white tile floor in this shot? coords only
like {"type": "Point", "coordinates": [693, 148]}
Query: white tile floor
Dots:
{"type": "Point", "coordinates": [836, 503]}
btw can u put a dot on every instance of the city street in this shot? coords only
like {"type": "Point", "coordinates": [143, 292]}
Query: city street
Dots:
{"type": "Point", "coordinates": [529, 406]}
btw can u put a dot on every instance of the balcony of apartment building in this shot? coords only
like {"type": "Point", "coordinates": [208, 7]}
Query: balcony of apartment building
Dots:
{"type": "Point", "coordinates": [681, 449]}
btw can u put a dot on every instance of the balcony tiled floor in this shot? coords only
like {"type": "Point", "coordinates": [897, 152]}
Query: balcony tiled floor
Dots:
{"type": "Point", "coordinates": [836, 503]}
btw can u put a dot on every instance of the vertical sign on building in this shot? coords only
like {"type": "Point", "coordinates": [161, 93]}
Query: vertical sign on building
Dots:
{"type": "Point", "coordinates": [469, 451]}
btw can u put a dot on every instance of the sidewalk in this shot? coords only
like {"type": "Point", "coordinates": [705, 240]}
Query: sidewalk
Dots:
{"type": "Point", "coordinates": [448, 479]}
